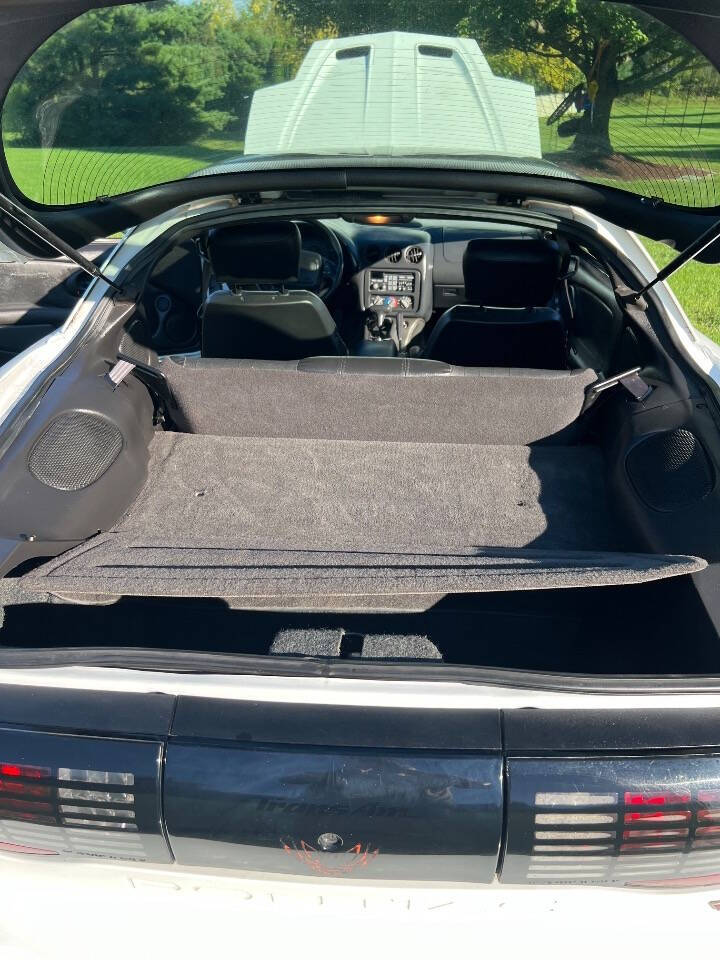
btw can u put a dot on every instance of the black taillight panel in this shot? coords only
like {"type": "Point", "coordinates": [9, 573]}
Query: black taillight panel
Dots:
{"type": "Point", "coordinates": [596, 797]}
{"type": "Point", "coordinates": [612, 820]}
{"type": "Point", "coordinates": [80, 798]}
{"type": "Point", "coordinates": [335, 792]}
{"type": "Point", "coordinates": [532, 797]}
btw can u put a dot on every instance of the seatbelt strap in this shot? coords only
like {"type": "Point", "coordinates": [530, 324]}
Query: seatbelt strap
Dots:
{"type": "Point", "coordinates": [154, 380]}
{"type": "Point", "coordinates": [629, 300]}
{"type": "Point", "coordinates": [206, 268]}
{"type": "Point", "coordinates": [121, 370]}
{"type": "Point", "coordinates": [573, 264]}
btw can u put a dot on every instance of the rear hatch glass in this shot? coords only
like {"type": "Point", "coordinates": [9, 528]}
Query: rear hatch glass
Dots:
{"type": "Point", "coordinates": [134, 95]}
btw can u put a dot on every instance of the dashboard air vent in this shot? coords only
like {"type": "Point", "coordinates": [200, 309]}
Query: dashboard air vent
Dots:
{"type": "Point", "coordinates": [394, 256]}
{"type": "Point", "coordinates": [415, 254]}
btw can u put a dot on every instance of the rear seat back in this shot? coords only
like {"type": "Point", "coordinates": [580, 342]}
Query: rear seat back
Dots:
{"type": "Point", "coordinates": [376, 398]}
{"type": "Point", "coordinates": [511, 318]}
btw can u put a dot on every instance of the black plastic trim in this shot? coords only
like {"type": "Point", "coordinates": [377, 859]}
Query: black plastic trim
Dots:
{"type": "Point", "coordinates": [80, 224]}
{"type": "Point", "coordinates": [327, 725]}
{"type": "Point", "coordinates": [87, 711]}
{"type": "Point", "coordinates": [543, 732]}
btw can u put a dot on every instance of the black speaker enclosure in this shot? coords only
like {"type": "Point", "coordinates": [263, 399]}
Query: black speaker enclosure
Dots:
{"type": "Point", "coordinates": [75, 450]}
{"type": "Point", "coordinates": [670, 470]}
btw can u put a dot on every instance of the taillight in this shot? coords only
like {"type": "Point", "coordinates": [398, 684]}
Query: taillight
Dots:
{"type": "Point", "coordinates": [631, 820]}
{"type": "Point", "coordinates": [679, 816]}
{"type": "Point", "coordinates": [633, 799]}
{"type": "Point", "coordinates": [101, 800]}
{"type": "Point", "coordinates": [21, 770]}
{"type": "Point", "coordinates": [8, 786]}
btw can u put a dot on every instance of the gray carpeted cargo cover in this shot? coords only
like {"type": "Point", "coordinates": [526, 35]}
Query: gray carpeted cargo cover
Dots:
{"type": "Point", "coordinates": [283, 519]}
{"type": "Point", "coordinates": [113, 564]}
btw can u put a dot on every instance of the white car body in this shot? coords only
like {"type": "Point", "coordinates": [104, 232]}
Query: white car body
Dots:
{"type": "Point", "coordinates": [397, 94]}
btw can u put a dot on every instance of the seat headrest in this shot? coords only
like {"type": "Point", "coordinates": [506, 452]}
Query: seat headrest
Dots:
{"type": "Point", "coordinates": [512, 272]}
{"type": "Point", "coordinates": [255, 253]}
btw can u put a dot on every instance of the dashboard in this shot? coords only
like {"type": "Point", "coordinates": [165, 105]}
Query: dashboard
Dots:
{"type": "Point", "coordinates": [415, 267]}
{"type": "Point", "coordinates": [412, 270]}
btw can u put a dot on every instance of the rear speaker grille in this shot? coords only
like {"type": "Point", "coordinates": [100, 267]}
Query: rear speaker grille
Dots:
{"type": "Point", "coordinates": [670, 470]}
{"type": "Point", "coordinates": [75, 450]}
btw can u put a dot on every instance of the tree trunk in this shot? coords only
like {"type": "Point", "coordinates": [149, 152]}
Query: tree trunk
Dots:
{"type": "Point", "coordinates": [593, 137]}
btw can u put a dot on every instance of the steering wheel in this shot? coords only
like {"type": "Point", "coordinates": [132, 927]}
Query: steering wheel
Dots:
{"type": "Point", "coordinates": [321, 260]}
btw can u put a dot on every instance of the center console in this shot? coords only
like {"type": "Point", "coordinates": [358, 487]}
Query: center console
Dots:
{"type": "Point", "coordinates": [393, 291]}
{"type": "Point", "coordinates": [394, 284]}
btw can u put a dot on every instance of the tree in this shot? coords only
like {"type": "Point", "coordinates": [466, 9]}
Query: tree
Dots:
{"type": "Point", "coordinates": [351, 17]}
{"type": "Point", "coordinates": [545, 74]}
{"type": "Point", "coordinates": [139, 75]}
{"type": "Point", "coordinates": [617, 50]}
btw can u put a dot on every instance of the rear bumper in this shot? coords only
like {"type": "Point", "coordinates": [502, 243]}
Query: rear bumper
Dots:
{"type": "Point", "coordinates": [64, 910]}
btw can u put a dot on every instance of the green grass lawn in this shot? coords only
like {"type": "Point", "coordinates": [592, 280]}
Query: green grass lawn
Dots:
{"type": "Point", "coordinates": [666, 147]}
{"type": "Point", "coordinates": [697, 287]}
{"type": "Point", "coordinates": [61, 175]}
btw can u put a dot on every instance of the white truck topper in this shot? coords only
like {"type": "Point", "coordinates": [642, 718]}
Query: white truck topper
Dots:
{"type": "Point", "coordinates": [395, 94]}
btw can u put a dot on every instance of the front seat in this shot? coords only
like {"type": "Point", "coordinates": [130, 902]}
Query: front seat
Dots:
{"type": "Point", "coordinates": [511, 318]}
{"type": "Point", "coordinates": [268, 324]}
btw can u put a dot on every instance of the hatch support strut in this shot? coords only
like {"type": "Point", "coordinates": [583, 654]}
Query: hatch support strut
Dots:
{"type": "Point", "coordinates": [685, 256]}
{"type": "Point", "coordinates": [34, 226]}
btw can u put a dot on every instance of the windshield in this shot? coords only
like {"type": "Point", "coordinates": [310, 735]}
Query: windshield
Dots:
{"type": "Point", "coordinates": [136, 95]}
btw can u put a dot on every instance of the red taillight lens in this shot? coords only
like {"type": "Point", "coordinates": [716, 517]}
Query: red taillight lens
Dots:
{"type": "Point", "coordinates": [650, 845]}
{"type": "Point", "coordinates": [637, 834]}
{"type": "Point", "coordinates": [678, 816]}
{"type": "Point", "coordinates": [44, 819]}
{"type": "Point", "coordinates": [17, 787]}
{"type": "Point", "coordinates": [655, 799]}
{"type": "Point", "coordinates": [20, 770]}
{"type": "Point", "coordinates": [704, 815]}
{"type": "Point", "coordinates": [709, 796]}
{"type": "Point", "coordinates": [32, 806]}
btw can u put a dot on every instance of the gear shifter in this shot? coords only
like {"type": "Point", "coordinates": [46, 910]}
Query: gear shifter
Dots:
{"type": "Point", "coordinates": [379, 325]}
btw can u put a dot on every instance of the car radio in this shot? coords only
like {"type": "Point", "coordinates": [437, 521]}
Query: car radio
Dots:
{"type": "Point", "coordinates": [382, 281]}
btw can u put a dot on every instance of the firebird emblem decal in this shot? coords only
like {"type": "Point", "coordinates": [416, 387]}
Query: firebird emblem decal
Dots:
{"type": "Point", "coordinates": [343, 863]}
